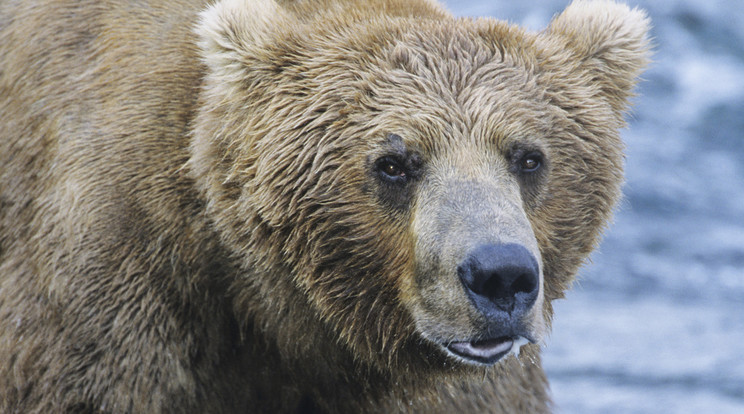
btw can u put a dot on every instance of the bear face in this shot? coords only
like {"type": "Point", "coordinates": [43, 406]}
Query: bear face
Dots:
{"type": "Point", "coordinates": [428, 184]}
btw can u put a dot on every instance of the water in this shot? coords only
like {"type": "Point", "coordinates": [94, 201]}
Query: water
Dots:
{"type": "Point", "coordinates": [656, 321]}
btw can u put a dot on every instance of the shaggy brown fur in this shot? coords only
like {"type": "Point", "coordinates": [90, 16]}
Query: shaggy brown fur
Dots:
{"type": "Point", "coordinates": [193, 219]}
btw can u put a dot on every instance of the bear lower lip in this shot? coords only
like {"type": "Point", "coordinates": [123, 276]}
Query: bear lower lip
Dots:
{"type": "Point", "coordinates": [486, 351]}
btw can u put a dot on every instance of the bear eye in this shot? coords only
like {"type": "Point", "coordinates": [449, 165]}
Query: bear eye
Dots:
{"type": "Point", "coordinates": [390, 169]}
{"type": "Point", "coordinates": [530, 162]}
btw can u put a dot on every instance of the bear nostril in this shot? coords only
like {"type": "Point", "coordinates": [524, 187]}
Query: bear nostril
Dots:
{"type": "Point", "coordinates": [525, 283]}
{"type": "Point", "coordinates": [495, 286]}
{"type": "Point", "coordinates": [501, 276]}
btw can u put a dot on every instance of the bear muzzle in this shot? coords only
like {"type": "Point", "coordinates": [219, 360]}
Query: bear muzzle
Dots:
{"type": "Point", "coordinates": [479, 270]}
{"type": "Point", "coordinates": [502, 281]}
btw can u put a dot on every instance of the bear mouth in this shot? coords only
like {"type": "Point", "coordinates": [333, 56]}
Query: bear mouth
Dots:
{"type": "Point", "coordinates": [487, 351]}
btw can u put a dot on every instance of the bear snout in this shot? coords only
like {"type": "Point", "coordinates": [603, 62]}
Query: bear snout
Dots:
{"type": "Point", "coordinates": [502, 280]}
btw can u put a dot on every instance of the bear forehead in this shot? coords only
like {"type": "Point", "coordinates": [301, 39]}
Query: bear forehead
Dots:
{"type": "Point", "coordinates": [452, 52]}
{"type": "Point", "coordinates": [442, 78]}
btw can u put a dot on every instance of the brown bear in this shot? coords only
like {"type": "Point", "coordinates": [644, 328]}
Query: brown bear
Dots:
{"type": "Point", "coordinates": [297, 205]}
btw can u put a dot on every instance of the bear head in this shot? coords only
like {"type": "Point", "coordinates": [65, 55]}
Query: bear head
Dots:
{"type": "Point", "coordinates": [419, 186]}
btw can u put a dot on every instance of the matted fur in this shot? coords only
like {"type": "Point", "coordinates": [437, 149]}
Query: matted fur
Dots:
{"type": "Point", "coordinates": [189, 222]}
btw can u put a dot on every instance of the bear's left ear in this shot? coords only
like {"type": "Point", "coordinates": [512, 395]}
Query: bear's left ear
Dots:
{"type": "Point", "coordinates": [608, 48]}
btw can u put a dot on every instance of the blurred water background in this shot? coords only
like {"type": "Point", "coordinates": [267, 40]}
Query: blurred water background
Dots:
{"type": "Point", "coordinates": [655, 323]}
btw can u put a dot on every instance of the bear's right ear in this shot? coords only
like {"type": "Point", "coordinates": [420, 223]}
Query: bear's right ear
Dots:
{"type": "Point", "coordinates": [233, 37]}
{"type": "Point", "coordinates": [608, 48]}
{"type": "Point", "coordinates": [231, 30]}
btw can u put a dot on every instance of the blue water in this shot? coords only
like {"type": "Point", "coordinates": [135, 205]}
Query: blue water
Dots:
{"type": "Point", "coordinates": [655, 323]}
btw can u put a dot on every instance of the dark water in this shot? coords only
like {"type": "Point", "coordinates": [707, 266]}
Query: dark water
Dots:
{"type": "Point", "coordinates": [656, 321]}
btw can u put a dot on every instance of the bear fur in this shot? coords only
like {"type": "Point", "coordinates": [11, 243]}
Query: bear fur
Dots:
{"type": "Point", "coordinates": [264, 205]}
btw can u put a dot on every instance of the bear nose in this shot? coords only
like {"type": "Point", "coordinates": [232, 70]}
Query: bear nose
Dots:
{"type": "Point", "coordinates": [501, 278]}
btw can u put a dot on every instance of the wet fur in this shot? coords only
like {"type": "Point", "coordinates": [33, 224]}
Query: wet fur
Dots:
{"type": "Point", "coordinates": [187, 217]}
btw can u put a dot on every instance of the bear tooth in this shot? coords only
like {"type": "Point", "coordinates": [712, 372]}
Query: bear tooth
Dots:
{"type": "Point", "coordinates": [519, 342]}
